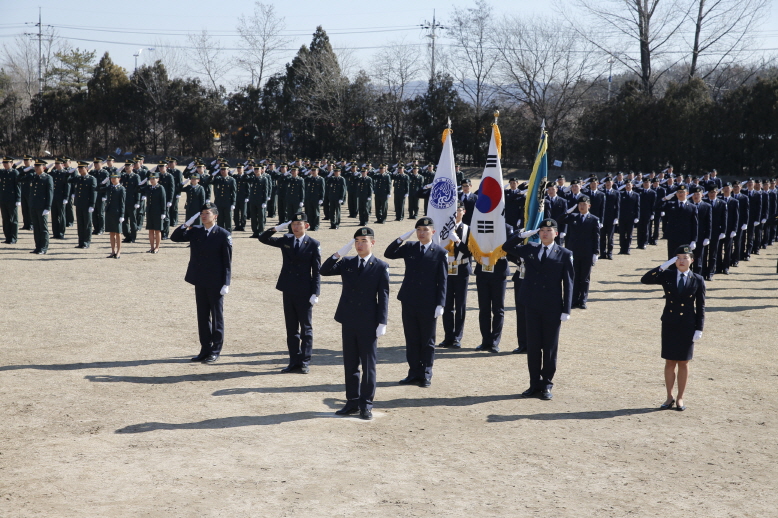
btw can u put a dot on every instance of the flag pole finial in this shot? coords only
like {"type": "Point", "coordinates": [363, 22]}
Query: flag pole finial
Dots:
{"type": "Point", "coordinates": [496, 115]}
{"type": "Point", "coordinates": [449, 123]}
{"type": "Point", "coordinates": [542, 128]}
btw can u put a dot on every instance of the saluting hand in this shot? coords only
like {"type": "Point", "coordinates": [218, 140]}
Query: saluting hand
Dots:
{"type": "Point", "coordinates": [345, 249]}
{"type": "Point", "coordinates": [282, 226]}
{"type": "Point", "coordinates": [190, 221]}
{"type": "Point", "coordinates": [406, 235]}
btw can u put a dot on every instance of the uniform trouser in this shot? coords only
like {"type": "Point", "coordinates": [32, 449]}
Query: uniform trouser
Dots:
{"type": "Point", "coordinates": [326, 207]}
{"type": "Point", "coordinates": [70, 217]}
{"type": "Point", "coordinates": [724, 254]}
{"type": "Point", "coordinates": [711, 256]}
{"type": "Point", "coordinates": [456, 306]}
{"type": "Point", "coordinates": [352, 204]}
{"type": "Point", "coordinates": [491, 306]}
{"type": "Point", "coordinates": [271, 204]}
{"type": "Point", "coordinates": [334, 213]}
{"type": "Point", "coordinates": [130, 225]}
{"type": "Point", "coordinates": [413, 206]}
{"type": "Point", "coordinates": [10, 221]}
{"type": "Point", "coordinates": [282, 213]}
{"type": "Point", "coordinates": [381, 207]}
{"type": "Point", "coordinates": [98, 216]}
{"type": "Point", "coordinates": [644, 229]}
{"type": "Point", "coordinates": [426, 204]}
{"type": "Point", "coordinates": [700, 253]}
{"type": "Point", "coordinates": [224, 219]}
{"type": "Point", "coordinates": [419, 341]}
{"type": "Point", "coordinates": [166, 225]}
{"type": "Point", "coordinates": [298, 314]}
{"type": "Point", "coordinates": [84, 224]}
{"type": "Point", "coordinates": [655, 227]}
{"type": "Point", "coordinates": [210, 319]}
{"type": "Point", "coordinates": [521, 321]}
{"type": "Point", "coordinates": [257, 218]}
{"type": "Point", "coordinates": [542, 344]}
{"type": "Point", "coordinates": [625, 235]}
{"type": "Point", "coordinates": [399, 207]}
{"type": "Point", "coordinates": [172, 212]}
{"type": "Point", "coordinates": [360, 346]}
{"type": "Point", "coordinates": [140, 213]}
{"type": "Point", "coordinates": [606, 239]}
{"type": "Point", "coordinates": [26, 216]}
{"type": "Point", "coordinates": [365, 206]}
{"type": "Point", "coordinates": [756, 242]}
{"type": "Point", "coordinates": [40, 229]}
{"type": "Point", "coordinates": [582, 267]}
{"type": "Point", "coordinates": [239, 216]}
{"type": "Point", "coordinates": [737, 247]}
{"type": "Point", "coordinates": [313, 213]}
{"type": "Point", "coordinates": [58, 219]}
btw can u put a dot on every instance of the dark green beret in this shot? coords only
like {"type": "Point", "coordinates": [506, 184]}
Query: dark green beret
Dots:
{"type": "Point", "coordinates": [425, 222]}
{"type": "Point", "coordinates": [364, 231]}
{"type": "Point", "coordinates": [548, 223]}
{"type": "Point", "coordinates": [683, 249]}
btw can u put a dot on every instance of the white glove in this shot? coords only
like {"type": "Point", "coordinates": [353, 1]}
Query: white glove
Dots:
{"type": "Point", "coordinates": [369, 199]}
{"type": "Point", "coordinates": [406, 196]}
{"type": "Point", "coordinates": [246, 200]}
{"type": "Point", "coordinates": [665, 265]}
{"type": "Point", "coordinates": [528, 233]}
{"type": "Point", "coordinates": [669, 196]}
{"type": "Point", "coordinates": [105, 181]}
{"type": "Point", "coordinates": [406, 235]}
{"type": "Point", "coordinates": [232, 207]}
{"type": "Point", "coordinates": [73, 196]}
{"type": "Point", "coordinates": [662, 214]}
{"type": "Point", "coordinates": [65, 201]}
{"type": "Point", "coordinates": [600, 225]}
{"type": "Point", "coordinates": [744, 227]}
{"type": "Point", "coordinates": [321, 202]}
{"type": "Point", "coordinates": [451, 259]}
{"type": "Point", "coordinates": [301, 203]}
{"type": "Point", "coordinates": [264, 205]}
{"type": "Point", "coordinates": [142, 198]}
{"type": "Point", "coordinates": [722, 235]}
{"type": "Point", "coordinates": [168, 204]}
{"type": "Point", "coordinates": [313, 300]}
{"type": "Point", "coordinates": [594, 259]}
{"type": "Point", "coordinates": [732, 234]}
{"type": "Point", "coordinates": [178, 196]}
{"type": "Point", "coordinates": [455, 238]}
{"type": "Point", "coordinates": [91, 209]}
{"type": "Point", "coordinates": [636, 220]}
{"type": "Point", "coordinates": [428, 186]}
{"type": "Point", "coordinates": [438, 311]}
{"type": "Point", "coordinates": [341, 201]}
{"type": "Point", "coordinates": [697, 336]}
{"type": "Point", "coordinates": [380, 330]}
{"type": "Point", "coordinates": [389, 197]}
{"type": "Point", "coordinates": [764, 221]}
{"type": "Point", "coordinates": [105, 198]}
{"type": "Point", "coordinates": [564, 317]}
{"type": "Point", "coordinates": [191, 220]}
{"type": "Point", "coordinates": [45, 213]}
{"type": "Point", "coordinates": [571, 209]}
{"type": "Point", "coordinates": [346, 248]}
{"type": "Point", "coordinates": [282, 226]}
{"type": "Point", "coordinates": [225, 290]}
{"type": "Point", "coordinates": [562, 235]}
{"type": "Point", "coordinates": [121, 220]}
{"type": "Point", "coordinates": [692, 245]}
{"type": "Point", "coordinates": [652, 217]}
{"type": "Point", "coordinates": [705, 242]}
{"type": "Point", "coordinates": [756, 223]}
{"type": "Point", "coordinates": [163, 217]}
{"type": "Point", "coordinates": [18, 204]}
{"type": "Point", "coordinates": [144, 181]}
{"type": "Point", "coordinates": [616, 221]}
{"type": "Point", "coordinates": [137, 206]}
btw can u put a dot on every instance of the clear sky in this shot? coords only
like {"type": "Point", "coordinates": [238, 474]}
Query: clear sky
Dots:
{"type": "Point", "coordinates": [122, 28]}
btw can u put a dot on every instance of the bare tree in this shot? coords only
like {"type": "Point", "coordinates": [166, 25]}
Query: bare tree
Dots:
{"type": "Point", "coordinates": [172, 57]}
{"type": "Point", "coordinates": [261, 40]}
{"type": "Point", "coordinates": [20, 60]}
{"type": "Point", "coordinates": [617, 27]}
{"type": "Point", "coordinates": [207, 56]}
{"type": "Point", "coordinates": [722, 30]}
{"type": "Point", "coordinates": [544, 69]}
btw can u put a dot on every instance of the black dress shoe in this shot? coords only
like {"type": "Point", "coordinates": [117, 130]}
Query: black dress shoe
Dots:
{"type": "Point", "coordinates": [582, 305]}
{"type": "Point", "coordinates": [212, 358]}
{"type": "Point", "coordinates": [425, 383]}
{"type": "Point", "coordinates": [41, 252]}
{"type": "Point", "coordinates": [456, 345]}
{"type": "Point", "coordinates": [530, 392]}
{"type": "Point", "coordinates": [34, 251]}
{"type": "Point", "coordinates": [520, 350]}
{"type": "Point", "coordinates": [546, 395]}
{"type": "Point", "coordinates": [408, 380]}
{"type": "Point", "coordinates": [199, 357]}
{"type": "Point", "coordinates": [483, 347]}
{"type": "Point", "coordinates": [444, 344]}
{"type": "Point", "coordinates": [348, 410]}
{"type": "Point", "coordinates": [366, 414]}
{"type": "Point", "coordinates": [494, 350]}
{"type": "Point", "coordinates": [291, 368]}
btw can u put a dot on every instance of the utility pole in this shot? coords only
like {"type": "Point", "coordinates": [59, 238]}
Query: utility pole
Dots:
{"type": "Point", "coordinates": [432, 27]}
{"type": "Point", "coordinates": [610, 75]}
{"type": "Point", "coordinates": [40, 53]}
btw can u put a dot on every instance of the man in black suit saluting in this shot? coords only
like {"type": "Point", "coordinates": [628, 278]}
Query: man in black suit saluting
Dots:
{"type": "Point", "coordinates": [423, 295]}
{"type": "Point", "coordinates": [363, 311]}
{"type": "Point", "coordinates": [299, 281]}
{"type": "Point", "coordinates": [210, 265]}
{"type": "Point", "coordinates": [547, 295]}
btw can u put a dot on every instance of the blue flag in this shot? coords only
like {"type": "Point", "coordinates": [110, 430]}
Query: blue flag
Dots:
{"type": "Point", "coordinates": [536, 190]}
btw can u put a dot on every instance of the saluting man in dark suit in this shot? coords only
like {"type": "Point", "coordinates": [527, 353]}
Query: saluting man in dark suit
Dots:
{"type": "Point", "coordinates": [468, 199]}
{"type": "Point", "coordinates": [210, 270]}
{"type": "Point", "coordinates": [547, 296]}
{"type": "Point", "coordinates": [39, 200]}
{"type": "Point", "coordinates": [363, 311]}
{"type": "Point", "coordinates": [299, 281]}
{"type": "Point", "coordinates": [583, 240]}
{"type": "Point", "coordinates": [682, 222]}
{"type": "Point", "coordinates": [422, 294]}
{"type": "Point", "coordinates": [682, 319]}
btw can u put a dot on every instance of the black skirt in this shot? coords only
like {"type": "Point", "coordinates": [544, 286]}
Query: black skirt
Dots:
{"type": "Point", "coordinates": [677, 345]}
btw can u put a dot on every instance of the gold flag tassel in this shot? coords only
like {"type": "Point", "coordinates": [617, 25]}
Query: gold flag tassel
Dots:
{"type": "Point", "coordinates": [497, 136]}
{"type": "Point", "coordinates": [478, 254]}
{"type": "Point", "coordinates": [446, 133]}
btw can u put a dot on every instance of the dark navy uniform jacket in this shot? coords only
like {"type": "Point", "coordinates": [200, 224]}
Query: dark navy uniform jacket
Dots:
{"type": "Point", "coordinates": [682, 311]}
{"type": "Point", "coordinates": [364, 301]}
{"type": "Point", "coordinates": [300, 272]}
{"type": "Point", "coordinates": [547, 284]}
{"type": "Point", "coordinates": [733, 213]}
{"type": "Point", "coordinates": [41, 192]}
{"type": "Point", "coordinates": [210, 258]}
{"type": "Point", "coordinates": [682, 222]}
{"type": "Point", "coordinates": [583, 234]}
{"type": "Point", "coordinates": [424, 284]}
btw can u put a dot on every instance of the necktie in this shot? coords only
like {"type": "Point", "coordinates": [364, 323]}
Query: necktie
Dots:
{"type": "Point", "coordinates": [422, 249]}
{"type": "Point", "coordinates": [296, 245]}
{"type": "Point", "coordinates": [543, 255]}
{"type": "Point", "coordinates": [682, 283]}
{"type": "Point", "coordinates": [361, 264]}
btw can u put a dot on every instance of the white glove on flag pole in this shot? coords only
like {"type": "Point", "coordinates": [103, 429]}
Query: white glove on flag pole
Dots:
{"type": "Point", "coordinates": [443, 193]}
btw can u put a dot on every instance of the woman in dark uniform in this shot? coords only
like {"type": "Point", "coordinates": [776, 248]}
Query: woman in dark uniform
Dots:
{"type": "Point", "coordinates": [195, 196]}
{"type": "Point", "coordinates": [115, 196]}
{"type": "Point", "coordinates": [156, 211]}
{"type": "Point", "coordinates": [682, 319]}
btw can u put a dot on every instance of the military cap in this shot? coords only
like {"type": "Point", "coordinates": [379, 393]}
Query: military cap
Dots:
{"type": "Point", "coordinates": [364, 231]}
{"type": "Point", "coordinates": [655, 179]}
{"type": "Point", "coordinates": [684, 249]}
{"type": "Point", "coordinates": [194, 176]}
{"type": "Point", "coordinates": [584, 199]}
{"type": "Point", "coordinates": [727, 184]}
{"type": "Point", "coordinates": [608, 178]}
{"type": "Point", "coordinates": [560, 177]}
{"type": "Point", "coordinates": [209, 205]}
{"type": "Point", "coordinates": [425, 222]}
{"type": "Point", "coordinates": [199, 164]}
{"type": "Point", "coordinates": [548, 223]}
{"type": "Point", "coordinates": [682, 187]}
{"type": "Point", "coordinates": [695, 178]}
{"type": "Point", "coordinates": [238, 165]}
{"type": "Point", "coordinates": [114, 175]}
{"type": "Point", "coordinates": [162, 163]}
{"type": "Point", "coordinates": [58, 160]}
{"type": "Point", "coordinates": [550, 184]}
{"type": "Point", "coordinates": [294, 168]}
{"type": "Point", "coordinates": [129, 162]}
{"type": "Point", "coordinates": [575, 182]}
{"type": "Point", "coordinates": [7, 159]}
{"type": "Point", "coordinates": [81, 163]}
{"type": "Point", "coordinates": [300, 216]}
{"type": "Point", "coordinates": [647, 179]}
{"type": "Point", "coordinates": [97, 159]}
{"type": "Point", "coordinates": [109, 157]}
{"type": "Point", "coordinates": [172, 159]}
{"type": "Point", "coordinates": [466, 181]}
{"type": "Point", "coordinates": [712, 187]}
{"type": "Point", "coordinates": [415, 168]}
{"type": "Point", "coordinates": [66, 158]}
{"type": "Point", "coordinates": [513, 179]}
{"type": "Point", "coordinates": [593, 179]}
{"type": "Point", "coordinates": [153, 174]}
{"type": "Point", "coordinates": [140, 156]}
{"type": "Point", "coordinates": [695, 188]}
{"type": "Point", "coordinates": [28, 157]}
{"type": "Point", "coordinates": [40, 161]}
{"type": "Point", "coordinates": [336, 169]}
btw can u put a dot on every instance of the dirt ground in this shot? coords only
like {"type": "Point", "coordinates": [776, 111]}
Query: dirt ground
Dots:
{"type": "Point", "coordinates": [104, 415]}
